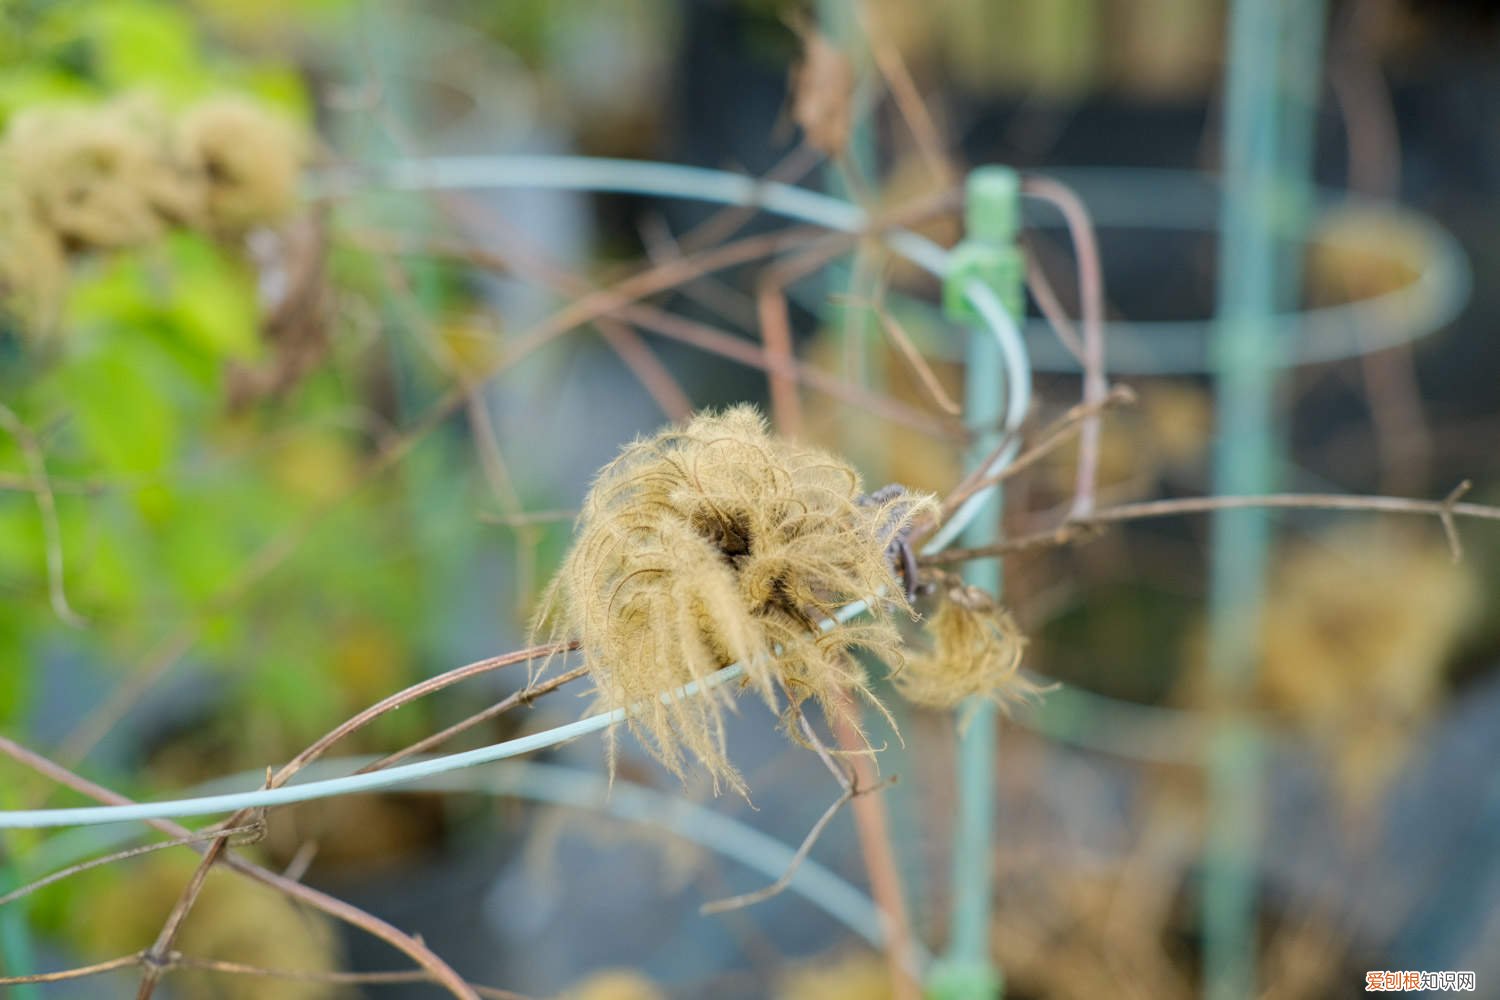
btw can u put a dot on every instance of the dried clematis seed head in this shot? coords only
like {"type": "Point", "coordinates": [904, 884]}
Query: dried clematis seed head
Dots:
{"type": "Point", "coordinates": [823, 93]}
{"type": "Point", "coordinates": [248, 158]}
{"type": "Point", "coordinates": [716, 543]}
{"type": "Point", "coordinates": [976, 651]}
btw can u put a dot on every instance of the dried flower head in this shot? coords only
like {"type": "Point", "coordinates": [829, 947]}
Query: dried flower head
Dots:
{"type": "Point", "coordinates": [615, 984]}
{"type": "Point", "coordinates": [167, 181]}
{"type": "Point", "coordinates": [33, 266]}
{"type": "Point", "coordinates": [857, 975]}
{"type": "Point", "coordinates": [1358, 626]}
{"type": "Point", "coordinates": [976, 650]}
{"type": "Point", "coordinates": [248, 160]}
{"type": "Point", "coordinates": [718, 543]}
{"type": "Point", "coordinates": [1357, 630]}
{"type": "Point", "coordinates": [83, 170]}
{"type": "Point", "coordinates": [823, 93]}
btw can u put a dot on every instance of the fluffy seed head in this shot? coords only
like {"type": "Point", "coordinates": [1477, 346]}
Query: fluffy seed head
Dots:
{"type": "Point", "coordinates": [854, 976]}
{"type": "Point", "coordinates": [976, 650]}
{"type": "Point", "coordinates": [82, 170]}
{"type": "Point", "coordinates": [248, 160]}
{"type": "Point", "coordinates": [615, 984]}
{"type": "Point", "coordinates": [718, 543]}
{"type": "Point", "coordinates": [33, 267]}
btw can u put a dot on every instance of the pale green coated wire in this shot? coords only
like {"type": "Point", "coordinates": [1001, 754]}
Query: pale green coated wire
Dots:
{"type": "Point", "coordinates": [401, 774]}
{"type": "Point", "coordinates": [568, 786]}
{"type": "Point", "coordinates": [1274, 45]}
{"type": "Point", "coordinates": [578, 173]}
{"type": "Point", "coordinates": [670, 180]}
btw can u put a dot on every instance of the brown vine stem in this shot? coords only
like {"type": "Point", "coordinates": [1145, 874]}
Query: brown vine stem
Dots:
{"type": "Point", "coordinates": [164, 940]}
{"type": "Point", "coordinates": [46, 504]}
{"type": "Point", "coordinates": [776, 335]}
{"type": "Point", "coordinates": [134, 852]}
{"type": "Point", "coordinates": [1091, 297]}
{"type": "Point", "coordinates": [779, 886]}
{"type": "Point", "coordinates": [82, 972]}
{"type": "Point", "coordinates": [914, 360]}
{"type": "Point", "coordinates": [524, 258]}
{"type": "Point", "coordinates": [880, 856]}
{"type": "Point", "coordinates": [1052, 309]}
{"type": "Point", "coordinates": [1072, 529]}
{"type": "Point", "coordinates": [903, 89]}
{"type": "Point", "coordinates": [1053, 437]}
{"type": "Point", "coordinates": [523, 697]}
{"type": "Point", "coordinates": [728, 220]}
{"type": "Point", "coordinates": [180, 961]}
{"type": "Point", "coordinates": [707, 338]}
{"type": "Point", "coordinates": [441, 972]}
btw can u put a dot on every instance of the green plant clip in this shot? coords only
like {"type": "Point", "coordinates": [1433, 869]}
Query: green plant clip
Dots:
{"type": "Point", "coordinates": [988, 252]}
{"type": "Point", "coordinates": [950, 980]}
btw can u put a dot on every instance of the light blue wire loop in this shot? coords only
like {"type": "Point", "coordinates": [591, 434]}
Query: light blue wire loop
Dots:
{"type": "Point", "coordinates": [581, 173]}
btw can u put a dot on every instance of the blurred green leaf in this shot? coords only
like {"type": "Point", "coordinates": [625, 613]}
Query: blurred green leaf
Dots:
{"type": "Point", "coordinates": [123, 417]}
{"type": "Point", "coordinates": [211, 300]}
{"type": "Point", "coordinates": [139, 44]}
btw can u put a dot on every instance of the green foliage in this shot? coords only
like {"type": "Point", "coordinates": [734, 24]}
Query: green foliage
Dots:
{"type": "Point", "coordinates": [75, 50]}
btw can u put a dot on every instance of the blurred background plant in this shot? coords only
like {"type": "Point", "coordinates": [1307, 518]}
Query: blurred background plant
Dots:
{"type": "Point", "coordinates": [253, 478]}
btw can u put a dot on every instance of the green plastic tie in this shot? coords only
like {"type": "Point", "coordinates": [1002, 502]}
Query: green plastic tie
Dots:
{"type": "Point", "coordinates": [988, 252]}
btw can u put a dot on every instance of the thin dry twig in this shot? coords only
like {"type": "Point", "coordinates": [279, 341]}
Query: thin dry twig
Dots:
{"type": "Point", "coordinates": [394, 977]}
{"type": "Point", "coordinates": [926, 377]}
{"type": "Point", "coordinates": [776, 335]}
{"type": "Point", "coordinates": [82, 972]}
{"type": "Point", "coordinates": [252, 829]}
{"type": "Point", "coordinates": [412, 693]}
{"type": "Point", "coordinates": [1052, 309]}
{"type": "Point", "coordinates": [708, 338]}
{"type": "Point", "coordinates": [525, 696]}
{"type": "Point", "coordinates": [190, 892]}
{"type": "Point", "coordinates": [711, 292]}
{"type": "Point", "coordinates": [727, 221]}
{"type": "Point", "coordinates": [659, 382]}
{"type": "Point", "coordinates": [502, 487]}
{"type": "Point", "coordinates": [46, 505]}
{"type": "Point", "coordinates": [1053, 437]}
{"type": "Point", "coordinates": [779, 886]}
{"type": "Point", "coordinates": [880, 857]}
{"type": "Point", "coordinates": [525, 258]}
{"type": "Point", "coordinates": [177, 960]}
{"type": "Point", "coordinates": [1450, 530]}
{"type": "Point", "coordinates": [336, 908]}
{"type": "Point", "coordinates": [1091, 296]}
{"type": "Point", "coordinates": [529, 517]}
{"type": "Point", "coordinates": [903, 89]}
{"type": "Point", "coordinates": [1071, 530]}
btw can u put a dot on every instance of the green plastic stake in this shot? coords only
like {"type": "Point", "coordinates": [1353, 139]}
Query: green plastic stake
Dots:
{"type": "Point", "coordinates": [950, 980]}
{"type": "Point", "coordinates": [988, 253]}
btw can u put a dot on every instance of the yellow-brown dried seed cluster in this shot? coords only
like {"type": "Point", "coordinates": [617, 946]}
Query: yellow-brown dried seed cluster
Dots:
{"type": "Point", "coordinates": [718, 543]}
{"type": "Point", "coordinates": [117, 175]}
{"type": "Point", "coordinates": [853, 976]}
{"type": "Point", "coordinates": [615, 984]}
{"type": "Point", "coordinates": [1357, 630]}
{"type": "Point", "coordinates": [976, 651]}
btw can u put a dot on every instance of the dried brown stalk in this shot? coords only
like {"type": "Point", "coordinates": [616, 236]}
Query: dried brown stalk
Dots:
{"type": "Point", "coordinates": [1072, 530]}
{"type": "Point", "coordinates": [337, 908]}
{"type": "Point", "coordinates": [1091, 295]}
